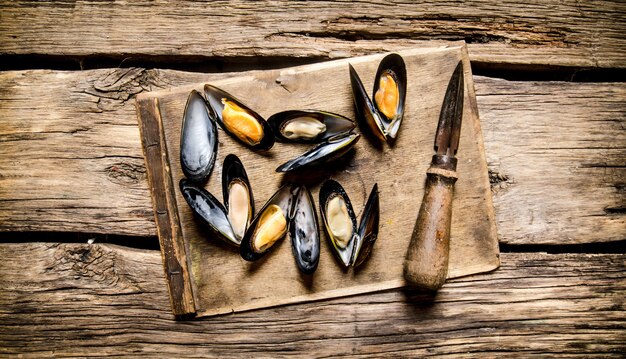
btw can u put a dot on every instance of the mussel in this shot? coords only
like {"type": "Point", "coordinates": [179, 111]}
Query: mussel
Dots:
{"type": "Point", "coordinates": [351, 244]}
{"type": "Point", "coordinates": [207, 207]}
{"type": "Point", "coordinates": [229, 221]}
{"type": "Point", "coordinates": [198, 139]}
{"type": "Point", "coordinates": [308, 126]}
{"type": "Point", "coordinates": [382, 116]}
{"type": "Point", "coordinates": [304, 232]}
{"type": "Point", "coordinates": [238, 198]}
{"type": "Point", "coordinates": [270, 224]}
{"type": "Point", "coordinates": [329, 150]}
{"type": "Point", "coordinates": [238, 120]}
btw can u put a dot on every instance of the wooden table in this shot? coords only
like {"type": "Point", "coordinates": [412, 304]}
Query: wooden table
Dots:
{"type": "Point", "coordinates": [80, 269]}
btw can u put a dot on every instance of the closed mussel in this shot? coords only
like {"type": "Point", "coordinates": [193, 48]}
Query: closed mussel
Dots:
{"type": "Point", "coordinates": [238, 120]}
{"type": "Point", "coordinates": [304, 232]}
{"type": "Point", "coordinates": [209, 209]}
{"type": "Point", "coordinates": [351, 244]}
{"type": "Point", "coordinates": [198, 139]}
{"type": "Point", "coordinates": [308, 126]}
{"type": "Point", "coordinates": [384, 114]}
{"type": "Point", "coordinates": [270, 224]}
{"type": "Point", "coordinates": [238, 198]}
{"type": "Point", "coordinates": [329, 150]}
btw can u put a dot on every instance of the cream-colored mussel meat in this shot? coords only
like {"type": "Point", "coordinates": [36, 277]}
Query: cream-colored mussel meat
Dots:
{"type": "Point", "coordinates": [339, 222]}
{"type": "Point", "coordinates": [306, 128]}
{"type": "Point", "coordinates": [239, 209]}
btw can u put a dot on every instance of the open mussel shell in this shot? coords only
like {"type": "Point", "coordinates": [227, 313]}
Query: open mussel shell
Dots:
{"type": "Point", "coordinates": [390, 92]}
{"type": "Point", "coordinates": [237, 192]}
{"type": "Point", "coordinates": [207, 207]}
{"type": "Point", "coordinates": [308, 126]}
{"type": "Point", "coordinates": [198, 139]}
{"type": "Point", "coordinates": [238, 120]}
{"type": "Point", "coordinates": [270, 224]}
{"type": "Point", "coordinates": [368, 228]}
{"type": "Point", "coordinates": [304, 232]}
{"type": "Point", "coordinates": [329, 150]}
{"type": "Point", "coordinates": [382, 115]}
{"type": "Point", "coordinates": [352, 246]}
{"type": "Point", "coordinates": [339, 220]}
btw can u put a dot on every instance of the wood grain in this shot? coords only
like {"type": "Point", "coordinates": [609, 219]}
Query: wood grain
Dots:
{"type": "Point", "coordinates": [71, 157]}
{"type": "Point", "coordinates": [77, 300]}
{"type": "Point", "coordinates": [80, 144]}
{"type": "Point", "coordinates": [557, 157]}
{"type": "Point", "coordinates": [565, 33]}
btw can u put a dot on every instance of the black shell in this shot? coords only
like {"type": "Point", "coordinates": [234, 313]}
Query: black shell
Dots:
{"type": "Point", "coordinates": [207, 207]}
{"type": "Point", "coordinates": [304, 232]}
{"type": "Point", "coordinates": [368, 113]}
{"type": "Point", "coordinates": [368, 228]}
{"type": "Point", "coordinates": [198, 139]}
{"type": "Point", "coordinates": [283, 198]}
{"type": "Point", "coordinates": [335, 124]}
{"type": "Point", "coordinates": [233, 171]}
{"type": "Point", "coordinates": [214, 98]}
{"type": "Point", "coordinates": [394, 65]}
{"type": "Point", "coordinates": [333, 148]}
{"type": "Point", "coordinates": [329, 190]}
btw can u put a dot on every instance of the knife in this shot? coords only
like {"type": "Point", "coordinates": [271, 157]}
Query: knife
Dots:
{"type": "Point", "coordinates": [426, 262]}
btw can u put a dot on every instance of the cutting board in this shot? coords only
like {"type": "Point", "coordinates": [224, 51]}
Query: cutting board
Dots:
{"type": "Point", "coordinates": [207, 277]}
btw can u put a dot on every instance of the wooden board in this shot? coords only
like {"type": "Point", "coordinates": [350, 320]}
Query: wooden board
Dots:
{"type": "Point", "coordinates": [222, 282]}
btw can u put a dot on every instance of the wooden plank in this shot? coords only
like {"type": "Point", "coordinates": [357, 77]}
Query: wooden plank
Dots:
{"type": "Point", "coordinates": [224, 283]}
{"type": "Point", "coordinates": [72, 159]}
{"type": "Point", "coordinates": [565, 33]}
{"type": "Point", "coordinates": [557, 157]}
{"type": "Point", "coordinates": [79, 299]}
{"type": "Point", "coordinates": [173, 251]}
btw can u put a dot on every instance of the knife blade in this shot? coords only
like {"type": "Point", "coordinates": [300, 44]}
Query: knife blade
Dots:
{"type": "Point", "coordinates": [426, 262]}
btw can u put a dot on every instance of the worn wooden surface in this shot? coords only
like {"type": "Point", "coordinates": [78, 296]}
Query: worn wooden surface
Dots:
{"type": "Point", "coordinates": [566, 33]}
{"type": "Point", "coordinates": [77, 300]}
{"type": "Point", "coordinates": [175, 263]}
{"type": "Point", "coordinates": [83, 126]}
{"type": "Point", "coordinates": [70, 160]}
{"type": "Point", "coordinates": [224, 283]}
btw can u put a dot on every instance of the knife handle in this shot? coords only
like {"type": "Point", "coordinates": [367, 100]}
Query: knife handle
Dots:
{"type": "Point", "coordinates": [426, 262]}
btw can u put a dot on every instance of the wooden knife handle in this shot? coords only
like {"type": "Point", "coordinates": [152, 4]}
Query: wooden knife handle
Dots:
{"type": "Point", "coordinates": [426, 262]}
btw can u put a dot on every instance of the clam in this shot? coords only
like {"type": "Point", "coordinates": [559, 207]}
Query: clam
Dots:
{"type": "Point", "coordinates": [304, 232]}
{"type": "Point", "coordinates": [382, 116]}
{"type": "Point", "coordinates": [308, 126]}
{"type": "Point", "coordinates": [198, 139]}
{"type": "Point", "coordinates": [237, 193]}
{"type": "Point", "coordinates": [351, 244]}
{"type": "Point", "coordinates": [270, 225]}
{"type": "Point", "coordinates": [329, 150]}
{"type": "Point", "coordinates": [207, 207]}
{"type": "Point", "coordinates": [238, 120]}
